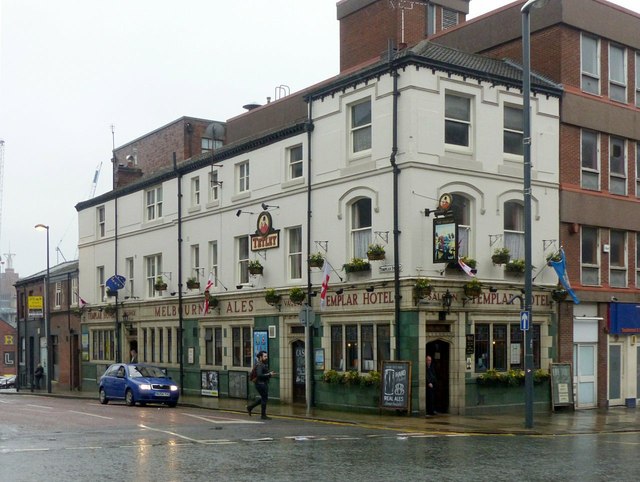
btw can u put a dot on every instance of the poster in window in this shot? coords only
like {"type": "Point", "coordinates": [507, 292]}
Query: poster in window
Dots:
{"type": "Point", "coordinates": [260, 343]}
{"type": "Point", "coordinates": [209, 383]}
{"type": "Point", "coordinates": [445, 235]}
{"type": "Point", "coordinates": [319, 358]}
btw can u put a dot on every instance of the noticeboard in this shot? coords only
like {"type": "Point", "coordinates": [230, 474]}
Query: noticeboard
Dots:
{"type": "Point", "coordinates": [561, 385]}
{"type": "Point", "coordinates": [395, 389]}
{"type": "Point", "coordinates": [209, 383]}
{"type": "Point", "coordinates": [238, 387]}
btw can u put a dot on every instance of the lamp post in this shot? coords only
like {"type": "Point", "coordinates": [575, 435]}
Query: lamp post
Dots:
{"type": "Point", "coordinates": [526, 100]}
{"type": "Point", "coordinates": [47, 320]}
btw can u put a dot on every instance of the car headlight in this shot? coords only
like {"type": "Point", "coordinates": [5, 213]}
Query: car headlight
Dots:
{"type": "Point", "coordinates": [145, 386]}
{"type": "Point", "coordinates": [173, 388]}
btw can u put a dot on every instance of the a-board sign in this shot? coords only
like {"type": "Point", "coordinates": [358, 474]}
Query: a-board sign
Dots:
{"type": "Point", "coordinates": [561, 385]}
{"type": "Point", "coordinates": [395, 386]}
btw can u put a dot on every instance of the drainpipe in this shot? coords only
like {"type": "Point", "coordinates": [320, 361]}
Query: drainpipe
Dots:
{"type": "Point", "coordinates": [396, 230]}
{"type": "Point", "coordinates": [180, 320]}
{"type": "Point", "coordinates": [308, 378]}
{"type": "Point", "coordinates": [117, 313]}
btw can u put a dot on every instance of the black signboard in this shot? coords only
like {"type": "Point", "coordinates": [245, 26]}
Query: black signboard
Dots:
{"type": "Point", "coordinates": [471, 345]}
{"type": "Point", "coordinates": [561, 385]}
{"type": "Point", "coordinates": [395, 389]}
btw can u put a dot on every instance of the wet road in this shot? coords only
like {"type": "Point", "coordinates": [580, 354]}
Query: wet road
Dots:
{"type": "Point", "coordinates": [52, 439]}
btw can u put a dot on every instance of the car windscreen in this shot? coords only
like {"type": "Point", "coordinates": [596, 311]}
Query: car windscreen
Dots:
{"type": "Point", "coordinates": [136, 371]}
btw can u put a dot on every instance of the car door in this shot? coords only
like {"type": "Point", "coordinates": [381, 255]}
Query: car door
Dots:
{"type": "Point", "coordinates": [118, 382]}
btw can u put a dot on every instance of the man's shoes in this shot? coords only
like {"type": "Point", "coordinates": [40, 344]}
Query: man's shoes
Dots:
{"type": "Point", "coordinates": [249, 408]}
{"type": "Point", "coordinates": [264, 417]}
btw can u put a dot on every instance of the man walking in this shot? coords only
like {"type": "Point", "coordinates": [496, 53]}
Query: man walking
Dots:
{"type": "Point", "coordinates": [431, 388]}
{"type": "Point", "coordinates": [263, 375]}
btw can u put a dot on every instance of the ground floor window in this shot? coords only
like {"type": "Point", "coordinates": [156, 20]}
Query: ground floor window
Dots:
{"type": "Point", "coordinates": [500, 346]}
{"type": "Point", "coordinates": [362, 347]}
{"type": "Point", "coordinates": [213, 345]}
{"type": "Point", "coordinates": [158, 344]}
{"type": "Point", "coordinates": [103, 345]}
{"type": "Point", "coordinates": [241, 346]}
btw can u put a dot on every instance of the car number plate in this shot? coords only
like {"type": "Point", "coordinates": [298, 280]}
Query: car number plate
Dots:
{"type": "Point", "coordinates": [163, 394]}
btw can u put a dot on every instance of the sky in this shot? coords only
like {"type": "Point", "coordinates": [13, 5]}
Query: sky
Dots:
{"type": "Point", "coordinates": [73, 71]}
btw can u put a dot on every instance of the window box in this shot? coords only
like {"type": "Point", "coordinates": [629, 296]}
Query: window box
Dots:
{"type": "Point", "coordinates": [356, 265]}
{"type": "Point", "coordinates": [515, 267]}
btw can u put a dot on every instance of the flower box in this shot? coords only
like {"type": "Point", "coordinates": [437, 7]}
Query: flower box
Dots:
{"type": "Point", "coordinates": [356, 265]}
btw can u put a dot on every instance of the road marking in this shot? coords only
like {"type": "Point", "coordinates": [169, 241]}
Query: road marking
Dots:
{"type": "Point", "coordinates": [264, 439]}
{"type": "Point", "coordinates": [91, 414]}
{"type": "Point", "coordinates": [83, 448]}
{"type": "Point", "coordinates": [170, 433]}
{"type": "Point", "coordinates": [39, 406]}
{"type": "Point", "coordinates": [221, 420]}
{"type": "Point", "coordinates": [7, 451]}
{"type": "Point", "coordinates": [347, 438]}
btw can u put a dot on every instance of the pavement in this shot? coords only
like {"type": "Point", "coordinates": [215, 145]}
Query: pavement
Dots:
{"type": "Point", "coordinates": [562, 422]}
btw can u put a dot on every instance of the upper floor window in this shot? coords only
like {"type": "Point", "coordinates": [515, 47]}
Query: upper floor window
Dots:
{"type": "Point", "coordinates": [294, 238]}
{"type": "Point", "coordinates": [638, 168]}
{"type": "Point", "coordinates": [589, 262]}
{"type": "Point", "coordinates": [637, 260]}
{"type": "Point", "coordinates": [514, 228]}
{"type": "Point", "coordinates": [617, 73]}
{"type": "Point", "coordinates": [100, 215]}
{"type": "Point", "coordinates": [195, 262]}
{"type": "Point", "coordinates": [617, 166]}
{"type": "Point", "coordinates": [242, 174]}
{"type": "Point", "coordinates": [153, 267]}
{"type": "Point", "coordinates": [129, 269]}
{"type": "Point", "coordinates": [449, 18]}
{"type": "Point", "coordinates": [361, 126]}
{"type": "Point", "coordinates": [153, 202]}
{"type": "Point", "coordinates": [213, 262]}
{"type": "Point", "coordinates": [361, 233]}
{"type": "Point", "coordinates": [294, 162]}
{"type": "Point", "coordinates": [513, 131]}
{"type": "Point", "coordinates": [195, 191]}
{"type": "Point", "coordinates": [590, 64]}
{"type": "Point", "coordinates": [637, 79]}
{"type": "Point", "coordinates": [457, 120]}
{"type": "Point", "coordinates": [206, 144]}
{"type": "Point", "coordinates": [214, 186]}
{"type": "Point", "coordinates": [75, 295]}
{"type": "Point", "coordinates": [590, 160]}
{"type": "Point", "coordinates": [242, 246]}
{"type": "Point", "coordinates": [58, 297]}
{"type": "Point", "coordinates": [100, 282]}
{"type": "Point", "coordinates": [461, 207]}
{"type": "Point", "coordinates": [618, 259]}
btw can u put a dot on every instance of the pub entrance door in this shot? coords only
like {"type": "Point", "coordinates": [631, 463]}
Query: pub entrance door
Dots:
{"type": "Point", "coordinates": [298, 357]}
{"type": "Point", "coordinates": [439, 352]}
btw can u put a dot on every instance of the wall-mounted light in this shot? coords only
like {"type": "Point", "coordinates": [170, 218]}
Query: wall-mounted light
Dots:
{"type": "Point", "coordinates": [370, 289]}
{"type": "Point", "coordinates": [266, 206]}
{"type": "Point", "coordinates": [340, 291]}
{"type": "Point", "coordinates": [240, 211]}
{"type": "Point", "coordinates": [493, 289]}
{"type": "Point", "coordinates": [447, 298]}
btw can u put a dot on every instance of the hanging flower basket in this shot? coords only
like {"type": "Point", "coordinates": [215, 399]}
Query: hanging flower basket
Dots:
{"type": "Point", "coordinates": [193, 284]}
{"type": "Point", "coordinates": [422, 288]}
{"type": "Point", "coordinates": [501, 256]}
{"type": "Point", "coordinates": [473, 288]}
{"type": "Point", "coordinates": [271, 297]}
{"type": "Point", "coordinates": [559, 294]}
{"type": "Point", "coordinates": [160, 285]}
{"type": "Point", "coordinates": [255, 267]}
{"type": "Point", "coordinates": [110, 310]}
{"type": "Point", "coordinates": [375, 252]}
{"type": "Point", "coordinates": [316, 260]}
{"type": "Point", "coordinates": [296, 295]}
{"type": "Point", "coordinates": [213, 301]}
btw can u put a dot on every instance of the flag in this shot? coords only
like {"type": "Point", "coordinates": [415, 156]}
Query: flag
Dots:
{"type": "Point", "coordinates": [326, 269]}
{"type": "Point", "coordinates": [81, 302]}
{"type": "Point", "coordinates": [466, 268]}
{"type": "Point", "coordinates": [206, 293]}
{"type": "Point", "coordinates": [560, 268]}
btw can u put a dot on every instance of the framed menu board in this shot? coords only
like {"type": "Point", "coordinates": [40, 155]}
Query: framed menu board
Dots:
{"type": "Point", "coordinates": [561, 385]}
{"type": "Point", "coordinates": [395, 388]}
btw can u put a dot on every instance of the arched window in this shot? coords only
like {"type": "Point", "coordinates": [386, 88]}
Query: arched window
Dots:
{"type": "Point", "coordinates": [361, 227]}
{"type": "Point", "coordinates": [514, 228]}
{"type": "Point", "coordinates": [461, 207]}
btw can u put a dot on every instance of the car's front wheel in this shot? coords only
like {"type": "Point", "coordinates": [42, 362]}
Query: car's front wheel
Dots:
{"type": "Point", "coordinates": [172, 404]}
{"type": "Point", "coordinates": [103, 397]}
{"type": "Point", "coordinates": [128, 398]}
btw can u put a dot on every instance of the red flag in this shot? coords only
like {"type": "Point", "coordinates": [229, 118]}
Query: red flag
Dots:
{"type": "Point", "coordinates": [326, 269]}
{"type": "Point", "coordinates": [466, 268]}
{"type": "Point", "coordinates": [206, 293]}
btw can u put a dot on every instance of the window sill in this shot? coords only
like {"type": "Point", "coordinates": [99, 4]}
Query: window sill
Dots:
{"type": "Point", "coordinates": [213, 204]}
{"type": "Point", "coordinates": [194, 209]}
{"type": "Point", "coordinates": [298, 181]}
{"type": "Point", "coordinates": [240, 196]}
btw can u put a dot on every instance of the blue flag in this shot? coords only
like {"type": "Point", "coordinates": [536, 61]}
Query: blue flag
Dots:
{"type": "Point", "coordinates": [561, 270]}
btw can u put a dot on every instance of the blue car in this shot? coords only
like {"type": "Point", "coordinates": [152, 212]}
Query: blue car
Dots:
{"type": "Point", "coordinates": [138, 383]}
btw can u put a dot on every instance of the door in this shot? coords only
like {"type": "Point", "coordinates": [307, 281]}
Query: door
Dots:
{"type": "Point", "coordinates": [298, 357]}
{"type": "Point", "coordinates": [585, 375]}
{"type": "Point", "coordinates": [439, 353]}
{"type": "Point", "coordinates": [615, 375]}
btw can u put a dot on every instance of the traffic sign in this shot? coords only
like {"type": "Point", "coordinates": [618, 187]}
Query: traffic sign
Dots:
{"type": "Point", "coordinates": [524, 320]}
{"type": "Point", "coordinates": [116, 282]}
{"type": "Point", "coordinates": [307, 315]}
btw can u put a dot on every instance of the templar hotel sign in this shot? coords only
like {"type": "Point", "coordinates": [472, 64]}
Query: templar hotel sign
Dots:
{"type": "Point", "coordinates": [265, 236]}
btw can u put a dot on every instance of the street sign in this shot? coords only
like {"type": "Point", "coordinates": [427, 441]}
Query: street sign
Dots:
{"type": "Point", "coordinates": [116, 282]}
{"type": "Point", "coordinates": [307, 315]}
{"type": "Point", "coordinates": [524, 320]}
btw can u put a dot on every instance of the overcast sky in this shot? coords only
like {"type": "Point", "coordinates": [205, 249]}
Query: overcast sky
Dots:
{"type": "Point", "coordinates": [70, 69]}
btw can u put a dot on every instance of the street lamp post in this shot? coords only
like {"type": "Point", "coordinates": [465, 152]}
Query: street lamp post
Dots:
{"type": "Point", "coordinates": [47, 320]}
{"type": "Point", "coordinates": [526, 94]}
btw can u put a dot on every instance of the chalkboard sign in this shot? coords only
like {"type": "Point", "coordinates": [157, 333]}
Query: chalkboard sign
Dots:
{"type": "Point", "coordinates": [395, 389]}
{"type": "Point", "coordinates": [238, 384]}
{"type": "Point", "coordinates": [561, 385]}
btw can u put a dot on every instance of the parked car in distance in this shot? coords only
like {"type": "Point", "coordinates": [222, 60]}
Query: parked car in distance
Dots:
{"type": "Point", "coordinates": [137, 383]}
{"type": "Point", "coordinates": [8, 381]}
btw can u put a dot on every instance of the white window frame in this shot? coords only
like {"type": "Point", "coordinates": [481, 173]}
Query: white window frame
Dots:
{"type": "Point", "coordinates": [637, 168]}
{"type": "Point", "coordinates": [450, 18]}
{"type": "Point", "coordinates": [75, 295]}
{"type": "Point", "coordinates": [195, 191]}
{"type": "Point", "coordinates": [513, 130]}
{"type": "Point", "coordinates": [206, 144]}
{"type": "Point", "coordinates": [618, 271]}
{"type": "Point", "coordinates": [594, 76]}
{"type": "Point", "coordinates": [294, 253]}
{"type": "Point", "coordinates": [213, 262]}
{"type": "Point", "coordinates": [463, 204]}
{"type": "Point", "coordinates": [513, 237]}
{"type": "Point", "coordinates": [295, 163]}
{"type": "Point", "coordinates": [130, 270]}
{"type": "Point", "coordinates": [243, 251]}
{"type": "Point", "coordinates": [100, 283]}
{"type": "Point", "coordinates": [243, 176]}
{"type": "Point", "coordinates": [619, 86]}
{"type": "Point", "coordinates": [637, 79]}
{"type": "Point", "coordinates": [58, 295]}
{"type": "Point", "coordinates": [214, 186]}
{"type": "Point", "coordinates": [590, 266]}
{"type": "Point", "coordinates": [468, 122]}
{"type": "Point", "coordinates": [587, 171]}
{"type": "Point", "coordinates": [153, 269]}
{"type": "Point", "coordinates": [359, 233]}
{"type": "Point", "coordinates": [617, 177]}
{"type": "Point", "coordinates": [355, 131]}
{"type": "Point", "coordinates": [153, 203]}
{"type": "Point", "coordinates": [196, 268]}
{"type": "Point", "coordinates": [101, 221]}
